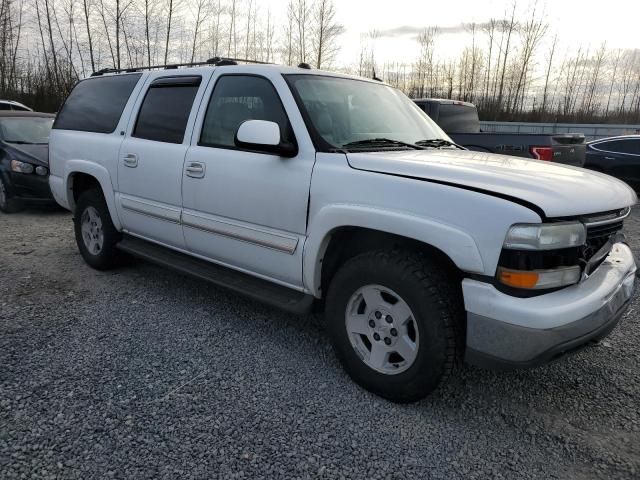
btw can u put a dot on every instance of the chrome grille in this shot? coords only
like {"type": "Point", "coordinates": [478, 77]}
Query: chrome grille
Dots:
{"type": "Point", "coordinates": [600, 228]}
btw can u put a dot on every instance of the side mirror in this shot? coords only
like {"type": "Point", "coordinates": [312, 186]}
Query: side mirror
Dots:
{"type": "Point", "coordinates": [263, 136]}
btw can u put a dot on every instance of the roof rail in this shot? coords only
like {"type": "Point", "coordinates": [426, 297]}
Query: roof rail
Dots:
{"type": "Point", "coordinates": [215, 61]}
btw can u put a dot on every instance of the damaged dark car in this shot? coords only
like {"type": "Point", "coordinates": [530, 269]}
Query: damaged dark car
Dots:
{"type": "Point", "coordinates": [24, 163]}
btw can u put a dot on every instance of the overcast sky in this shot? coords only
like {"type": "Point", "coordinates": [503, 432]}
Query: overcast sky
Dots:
{"type": "Point", "coordinates": [578, 22]}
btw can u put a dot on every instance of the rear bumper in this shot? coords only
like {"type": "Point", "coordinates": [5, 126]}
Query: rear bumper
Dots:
{"type": "Point", "coordinates": [507, 332]}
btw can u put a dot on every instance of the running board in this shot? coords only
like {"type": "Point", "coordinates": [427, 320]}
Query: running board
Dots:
{"type": "Point", "coordinates": [253, 287]}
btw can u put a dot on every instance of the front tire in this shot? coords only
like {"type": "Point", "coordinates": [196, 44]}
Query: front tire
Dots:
{"type": "Point", "coordinates": [8, 204]}
{"type": "Point", "coordinates": [95, 233]}
{"type": "Point", "coordinates": [395, 321]}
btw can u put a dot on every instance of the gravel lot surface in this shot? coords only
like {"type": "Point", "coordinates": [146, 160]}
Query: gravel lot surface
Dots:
{"type": "Point", "coordinates": [143, 373]}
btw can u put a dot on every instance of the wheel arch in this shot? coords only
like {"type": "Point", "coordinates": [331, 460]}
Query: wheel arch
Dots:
{"type": "Point", "coordinates": [340, 232]}
{"type": "Point", "coordinates": [81, 175]}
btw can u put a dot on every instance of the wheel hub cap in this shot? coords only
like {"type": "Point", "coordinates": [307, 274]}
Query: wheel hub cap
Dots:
{"type": "Point", "coordinates": [92, 234]}
{"type": "Point", "coordinates": [382, 329]}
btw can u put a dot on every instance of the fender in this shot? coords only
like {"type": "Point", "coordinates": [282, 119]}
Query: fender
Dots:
{"type": "Point", "coordinates": [101, 174]}
{"type": "Point", "coordinates": [458, 245]}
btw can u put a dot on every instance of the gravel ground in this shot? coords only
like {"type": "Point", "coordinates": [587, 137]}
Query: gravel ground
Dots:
{"type": "Point", "coordinates": [142, 373]}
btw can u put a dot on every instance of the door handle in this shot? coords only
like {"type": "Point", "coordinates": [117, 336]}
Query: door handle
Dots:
{"type": "Point", "coordinates": [195, 170]}
{"type": "Point", "coordinates": [609, 158]}
{"type": "Point", "coordinates": [130, 160]}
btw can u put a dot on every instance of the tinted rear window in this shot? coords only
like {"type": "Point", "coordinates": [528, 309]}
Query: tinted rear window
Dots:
{"type": "Point", "coordinates": [458, 118]}
{"type": "Point", "coordinates": [164, 113]}
{"type": "Point", "coordinates": [96, 104]}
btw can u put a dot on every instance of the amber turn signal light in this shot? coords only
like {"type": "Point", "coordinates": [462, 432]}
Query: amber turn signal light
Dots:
{"type": "Point", "coordinates": [518, 279]}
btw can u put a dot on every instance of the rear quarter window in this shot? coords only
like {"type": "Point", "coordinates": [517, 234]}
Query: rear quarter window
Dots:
{"type": "Point", "coordinates": [96, 104]}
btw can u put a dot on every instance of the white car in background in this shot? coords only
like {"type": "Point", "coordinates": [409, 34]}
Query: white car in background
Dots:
{"type": "Point", "coordinates": [11, 105]}
{"type": "Point", "coordinates": [300, 187]}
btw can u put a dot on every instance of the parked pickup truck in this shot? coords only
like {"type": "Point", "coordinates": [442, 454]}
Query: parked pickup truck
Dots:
{"type": "Point", "coordinates": [460, 121]}
{"type": "Point", "coordinates": [307, 189]}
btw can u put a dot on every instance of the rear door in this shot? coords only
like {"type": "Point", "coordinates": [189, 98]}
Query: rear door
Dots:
{"type": "Point", "coordinates": [151, 158]}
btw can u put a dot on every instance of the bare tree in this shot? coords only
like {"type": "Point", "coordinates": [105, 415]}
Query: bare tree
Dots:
{"type": "Point", "coordinates": [612, 82]}
{"type": "Point", "coordinates": [490, 31]}
{"type": "Point", "coordinates": [508, 27]}
{"type": "Point", "coordinates": [201, 13]}
{"type": "Point", "coordinates": [545, 93]}
{"type": "Point", "coordinates": [172, 6]}
{"type": "Point", "coordinates": [424, 65]}
{"type": "Point", "coordinates": [301, 17]}
{"type": "Point", "coordinates": [531, 33]}
{"type": "Point", "coordinates": [326, 33]}
{"type": "Point", "coordinates": [86, 6]}
{"type": "Point", "coordinates": [269, 34]}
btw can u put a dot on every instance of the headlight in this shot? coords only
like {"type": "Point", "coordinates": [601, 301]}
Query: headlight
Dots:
{"type": "Point", "coordinates": [21, 167]}
{"type": "Point", "coordinates": [545, 236]}
{"type": "Point", "coordinates": [41, 170]}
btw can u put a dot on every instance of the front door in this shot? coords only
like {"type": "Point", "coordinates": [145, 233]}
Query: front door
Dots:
{"type": "Point", "coordinates": [151, 160]}
{"type": "Point", "coordinates": [244, 209]}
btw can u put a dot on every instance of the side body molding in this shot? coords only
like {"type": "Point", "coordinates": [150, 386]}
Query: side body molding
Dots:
{"type": "Point", "coordinates": [101, 174]}
{"type": "Point", "coordinates": [458, 245]}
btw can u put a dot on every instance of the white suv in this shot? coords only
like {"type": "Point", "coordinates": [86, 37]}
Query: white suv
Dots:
{"type": "Point", "coordinates": [304, 188]}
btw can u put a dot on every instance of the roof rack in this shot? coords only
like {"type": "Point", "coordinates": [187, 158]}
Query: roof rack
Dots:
{"type": "Point", "coordinates": [214, 61]}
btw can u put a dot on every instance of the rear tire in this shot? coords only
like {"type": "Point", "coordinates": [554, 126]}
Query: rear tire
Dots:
{"type": "Point", "coordinates": [8, 204]}
{"type": "Point", "coordinates": [395, 320]}
{"type": "Point", "coordinates": [95, 233]}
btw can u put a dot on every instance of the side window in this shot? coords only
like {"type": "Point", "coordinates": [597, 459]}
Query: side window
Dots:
{"type": "Point", "coordinates": [96, 104]}
{"type": "Point", "coordinates": [625, 146]}
{"type": "Point", "coordinates": [165, 110]}
{"type": "Point", "coordinates": [5, 106]}
{"type": "Point", "coordinates": [607, 146]}
{"type": "Point", "coordinates": [237, 98]}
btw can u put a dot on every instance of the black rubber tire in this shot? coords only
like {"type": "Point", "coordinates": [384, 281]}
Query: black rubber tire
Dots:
{"type": "Point", "coordinates": [9, 205]}
{"type": "Point", "coordinates": [437, 306]}
{"type": "Point", "coordinates": [109, 257]}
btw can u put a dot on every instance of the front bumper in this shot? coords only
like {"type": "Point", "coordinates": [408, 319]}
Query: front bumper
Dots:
{"type": "Point", "coordinates": [30, 187]}
{"type": "Point", "coordinates": [509, 332]}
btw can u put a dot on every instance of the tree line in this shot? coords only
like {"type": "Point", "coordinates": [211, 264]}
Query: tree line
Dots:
{"type": "Point", "coordinates": [515, 69]}
{"type": "Point", "coordinates": [512, 68]}
{"type": "Point", "coordinates": [47, 45]}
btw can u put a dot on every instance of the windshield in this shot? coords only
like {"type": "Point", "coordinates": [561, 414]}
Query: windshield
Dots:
{"type": "Point", "coordinates": [344, 111]}
{"type": "Point", "coordinates": [25, 130]}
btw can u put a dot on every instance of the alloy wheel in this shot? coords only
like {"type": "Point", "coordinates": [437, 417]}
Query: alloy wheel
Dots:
{"type": "Point", "coordinates": [382, 329]}
{"type": "Point", "coordinates": [92, 233]}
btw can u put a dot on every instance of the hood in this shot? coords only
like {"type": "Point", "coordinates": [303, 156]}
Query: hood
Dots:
{"type": "Point", "coordinates": [38, 154]}
{"type": "Point", "coordinates": [557, 190]}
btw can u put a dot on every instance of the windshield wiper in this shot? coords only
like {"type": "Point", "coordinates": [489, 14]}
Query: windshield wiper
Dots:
{"type": "Point", "coordinates": [437, 143]}
{"type": "Point", "coordinates": [19, 142]}
{"type": "Point", "coordinates": [381, 142]}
